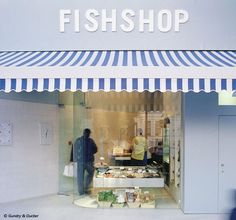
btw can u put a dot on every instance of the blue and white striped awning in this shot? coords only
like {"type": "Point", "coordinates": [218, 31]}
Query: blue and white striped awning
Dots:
{"type": "Point", "coordinates": [118, 70]}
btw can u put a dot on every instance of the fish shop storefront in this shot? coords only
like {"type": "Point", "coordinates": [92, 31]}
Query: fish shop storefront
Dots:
{"type": "Point", "coordinates": [161, 72]}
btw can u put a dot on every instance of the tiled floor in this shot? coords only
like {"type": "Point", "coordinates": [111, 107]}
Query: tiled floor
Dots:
{"type": "Point", "coordinates": [60, 207]}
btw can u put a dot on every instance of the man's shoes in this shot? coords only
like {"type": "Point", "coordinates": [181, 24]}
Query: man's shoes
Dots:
{"type": "Point", "coordinates": [88, 192]}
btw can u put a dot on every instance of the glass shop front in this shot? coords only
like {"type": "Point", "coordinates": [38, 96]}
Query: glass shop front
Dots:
{"type": "Point", "coordinates": [125, 149]}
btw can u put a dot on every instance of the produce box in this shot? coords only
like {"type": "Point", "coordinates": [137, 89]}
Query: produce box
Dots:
{"type": "Point", "coordinates": [132, 198]}
{"type": "Point", "coordinates": [105, 198]}
{"type": "Point", "coordinates": [120, 198]}
{"type": "Point", "coordinates": [149, 205]}
{"type": "Point", "coordinates": [133, 205]}
{"type": "Point", "coordinates": [148, 200]}
{"type": "Point", "coordinates": [103, 204]}
{"type": "Point", "coordinates": [118, 205]}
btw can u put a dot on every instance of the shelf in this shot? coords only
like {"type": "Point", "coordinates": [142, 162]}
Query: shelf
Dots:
{"type": "Point", "coordinates": [122, 158]}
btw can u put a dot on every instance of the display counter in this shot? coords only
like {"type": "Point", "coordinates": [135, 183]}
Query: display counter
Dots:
{"type": "Point", "coordinates": [127, 177]}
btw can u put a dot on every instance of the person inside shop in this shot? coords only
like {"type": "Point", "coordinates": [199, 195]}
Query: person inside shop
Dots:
{"type": "Point", "coordinates": [158, 153]}
{"type": "Point", "coordinates": [85, 148]}
{"type": "Point", "coordinates": [139, 150]}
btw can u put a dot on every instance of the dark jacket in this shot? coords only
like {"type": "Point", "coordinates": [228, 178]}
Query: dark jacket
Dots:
{"type": "Point", "coordinates": [84, 149]}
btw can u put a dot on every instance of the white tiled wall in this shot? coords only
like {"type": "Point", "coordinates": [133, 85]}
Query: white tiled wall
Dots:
{"type": "Point", "coordinates": [28, 169]}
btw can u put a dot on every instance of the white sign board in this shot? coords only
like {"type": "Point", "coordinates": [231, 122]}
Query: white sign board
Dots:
{"type": "Point", "coordinates": [117, 25]}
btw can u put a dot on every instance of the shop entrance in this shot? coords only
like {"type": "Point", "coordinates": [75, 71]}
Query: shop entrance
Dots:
{"type": "Point", "coordinates": [227, 163]}
{"type": "Point", "coordinates": [115, 119]}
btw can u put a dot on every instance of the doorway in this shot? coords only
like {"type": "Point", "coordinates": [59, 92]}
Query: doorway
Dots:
{"type": "Point", "coordinates": [227, 163]}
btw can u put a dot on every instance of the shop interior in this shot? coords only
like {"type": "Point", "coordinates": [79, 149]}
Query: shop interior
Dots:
{"type": "Point", "coordinates": [115, 119]}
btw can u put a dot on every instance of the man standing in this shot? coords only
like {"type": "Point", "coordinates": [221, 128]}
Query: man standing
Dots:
{"type": "Point", "coordinates": [85, 148]}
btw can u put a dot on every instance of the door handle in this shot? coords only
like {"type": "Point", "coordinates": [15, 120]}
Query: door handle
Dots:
{"type": "Point", "coordinates": [222, 167]}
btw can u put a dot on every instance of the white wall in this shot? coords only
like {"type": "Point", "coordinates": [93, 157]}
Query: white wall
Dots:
{"type": "Point", "coordinates": [201, 152]}
{"type": "Point", "coordinates": [28, 169]}
{"type": "Point", "coordinates": [210, 26]}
